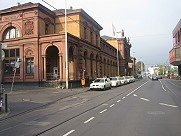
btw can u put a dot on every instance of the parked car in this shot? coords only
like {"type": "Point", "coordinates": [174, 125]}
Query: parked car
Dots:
{"type": "Point", "coordinates": [100, 84]}
{"type": "Point", "coordinates": [115, 81]}
{"type": "Point", "coordinates": [128, 79]}
{"type": "Point", "coordinates": [132, 79]}
{"type": "Point", "coordinates": [123, 80]}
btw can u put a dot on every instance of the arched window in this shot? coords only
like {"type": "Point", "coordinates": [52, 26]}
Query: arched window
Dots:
{"type": "Point", "coordinates": [11, 32]}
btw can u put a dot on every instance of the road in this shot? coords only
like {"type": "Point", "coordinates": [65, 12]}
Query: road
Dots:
{"type": "Point", "coordinates": [143, 108]}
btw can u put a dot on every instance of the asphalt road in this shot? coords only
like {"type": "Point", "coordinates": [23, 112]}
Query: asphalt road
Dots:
{"type": "Point", "coordinates": [143, 108]}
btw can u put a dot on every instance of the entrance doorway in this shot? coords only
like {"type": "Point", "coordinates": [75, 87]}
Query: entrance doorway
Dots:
{"type": "Point", "coordinates": [52, 63]}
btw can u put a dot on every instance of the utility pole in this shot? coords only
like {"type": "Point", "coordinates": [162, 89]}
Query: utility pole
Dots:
{"type": "Point", "coordinates": [66, 48]}
{"type": "Point", "coordinates": [0, 63]}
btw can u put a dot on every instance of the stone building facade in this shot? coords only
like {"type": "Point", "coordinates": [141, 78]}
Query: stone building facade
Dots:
{"type": "Point", "coordinates": [36, 35]}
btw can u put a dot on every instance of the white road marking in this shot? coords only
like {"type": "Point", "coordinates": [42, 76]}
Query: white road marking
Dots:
{"type": "Point", "coordinates": [105, 104]}
{"type": "Point", "coordinates": [123, 97]}
{"type": "Point", "coordinates": [118, 100]}
{"type": "Point", "coordinates": [103, 111]}
{"type": "Point", "coordinates": [68, 133]}
{"type": "Point", "coordinates": [135, 95]}
{"type": "Point", "coordinates": [136, 89]}
{"type": "Point", "coordinates": [162, 86]}
{"type": "Point", "coordinates": [175, 85]}
{"type": "Point", "coordinates": [168, 105]}
{"type": "Point", "coordinates": [89, 120]}
{"type": "Point", "coordinates": [112, 105]}
{"type": "Point", "coordinates": [144, 99]}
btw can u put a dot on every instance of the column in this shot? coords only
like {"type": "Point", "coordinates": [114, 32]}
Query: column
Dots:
{"type": "Point", "coordinates": [44, 68]}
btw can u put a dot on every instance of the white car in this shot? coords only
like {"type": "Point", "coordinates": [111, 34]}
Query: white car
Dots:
{"type": "Point", "coordinates": [123, 80]}
{"type": "Point", "coordinates": [100, 84]}
{"type": "Point", "coordinates": [132, 79]}
{"type": "Point", "coordinates": [115, 81]}
{"type": "Point", "coordinates": [128, 79]}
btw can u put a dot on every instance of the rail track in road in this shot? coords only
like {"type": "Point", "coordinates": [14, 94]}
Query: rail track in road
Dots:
{"type": "Point", "coordinates": [125, 89]}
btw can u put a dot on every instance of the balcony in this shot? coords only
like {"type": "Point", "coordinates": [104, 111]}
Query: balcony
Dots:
{"type": "Point", "coordinates": [175, 56]}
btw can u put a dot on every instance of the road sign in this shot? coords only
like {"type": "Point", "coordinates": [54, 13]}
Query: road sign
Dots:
{"type": "Point", "coordinates": [3, 45]}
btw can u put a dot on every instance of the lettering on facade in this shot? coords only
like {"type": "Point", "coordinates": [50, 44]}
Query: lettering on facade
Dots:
{"type": "Point", "coordinates": [29, 26]}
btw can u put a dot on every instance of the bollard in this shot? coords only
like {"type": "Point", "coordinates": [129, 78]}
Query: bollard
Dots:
{"type": "Point", "coordinates": [71, 86]}
{"type": "Point", "coordinates": [6, 102]}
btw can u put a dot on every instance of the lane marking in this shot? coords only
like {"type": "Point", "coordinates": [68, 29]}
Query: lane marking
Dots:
{"type": "Point", "coordinates": [145, 99]}
{"type": "Point", "coordinates": [174, 106]}
{"type": "Point", "coordinates": [137, 88]}
{"type": "Point", "coordinates": [103, 111]}
{"type": "Point", "coordinates": [118, 100]}
{"type": "Point", "coordinates": [112, 105]}
{"type": "Point", "coordinates": [68, 133]}
{"type": "Point", "coordinates": [123, 97]}
{"type": "Point", "coordinates": [175, 85]}
{"type": "Point", "coordinates": [89, 120]}
{"type": "Point", "coordinates": [104, 104]}
{"type": "Point", "coordinates": [135, 95]}
{"type": "Point", "coordinates": [162, 86]}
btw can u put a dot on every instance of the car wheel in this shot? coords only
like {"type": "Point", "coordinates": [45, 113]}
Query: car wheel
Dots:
{"type": "Point", "coordinates": [104, 88]}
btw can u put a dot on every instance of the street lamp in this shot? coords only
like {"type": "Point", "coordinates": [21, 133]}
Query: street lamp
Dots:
{"type": "Point", "coordinates": [66, 48]}
{"type": "Point", "coordinates": [0, 63]}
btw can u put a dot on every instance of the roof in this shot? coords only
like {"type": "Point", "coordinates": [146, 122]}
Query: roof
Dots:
{"type": "Point", "coordinates": [26, 6]}
{"type": "Point", "coordinates": [78, 11]}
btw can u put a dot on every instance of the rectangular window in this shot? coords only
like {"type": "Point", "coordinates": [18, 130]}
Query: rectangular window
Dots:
{"type": "Point", "coordinates": [12, 52]}
{"type": "Point", "coordinates": [91, 37]}
{"type": "Point", "coordinates": [29, 65]}
{"type": "Point", "coordinates": [85, 33]}
{"type": "Point", "coordinates": [97, 40]}
{"type": "Point", "coordinates": [46, 28]}
{"type": "Point", "coordinates": [10, 59]}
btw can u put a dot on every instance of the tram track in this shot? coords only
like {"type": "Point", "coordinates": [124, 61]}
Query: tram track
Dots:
{"type": "Point", "coordinates": [8, 120]}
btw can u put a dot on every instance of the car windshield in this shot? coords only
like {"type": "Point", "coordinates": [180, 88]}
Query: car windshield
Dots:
{"type": "Point", "coordinates": [113, 78]}
{"type": "Point", "coordinates": [99, 80]}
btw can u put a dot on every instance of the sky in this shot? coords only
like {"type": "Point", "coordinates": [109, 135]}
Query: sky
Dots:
{"type": "Point", "coordinates": [148, 23]}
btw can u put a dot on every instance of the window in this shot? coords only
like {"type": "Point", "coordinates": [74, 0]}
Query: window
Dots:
{"type": "Point", "coordinates": [85, 33]}
{"type": "Point", "coordinates": [97, 40]}
{"type": "Point", "coordinates": [91, 37]}
{"type": "Point", "coordinates": [10, 58]}
{"type": "Point", "coordinates": [29, 65]}
{"type": "Point", "coordinates": [46, 28]}
{"type": "Point", "coordinates": [11, 33]}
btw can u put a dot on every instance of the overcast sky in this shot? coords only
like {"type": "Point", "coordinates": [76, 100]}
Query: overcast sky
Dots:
{"type": "Point", "coordinates": [148, 23]}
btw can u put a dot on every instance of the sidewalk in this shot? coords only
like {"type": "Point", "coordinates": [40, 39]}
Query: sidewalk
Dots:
{"type": "Point", "coordinates": [23, 98]}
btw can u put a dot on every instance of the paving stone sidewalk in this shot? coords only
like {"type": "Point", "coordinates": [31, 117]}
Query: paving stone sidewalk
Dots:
{"type": "Point", "coordinates": [23, 98]}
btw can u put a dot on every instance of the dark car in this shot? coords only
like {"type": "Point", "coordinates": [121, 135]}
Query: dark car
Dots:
{"type": "Point", "coordinates": [159, 76]}
{"type": "Point", "coordinates": [154, 77]}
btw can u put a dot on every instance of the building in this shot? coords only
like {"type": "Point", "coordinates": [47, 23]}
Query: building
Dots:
{"type": "Point", "coordinates": [36, 35]}
{"type": "Point", "coordinates": [125, 61]}
{"type": "Point", "coordinates": [175, 52]}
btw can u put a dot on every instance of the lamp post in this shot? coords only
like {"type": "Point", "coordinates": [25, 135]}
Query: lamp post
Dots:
{"type": "Point", "coordinates": [66, 48]}
{"type": "Point", "coordinates": [133, 64]}
{"type": "Point", "coordinates": [0, 63]}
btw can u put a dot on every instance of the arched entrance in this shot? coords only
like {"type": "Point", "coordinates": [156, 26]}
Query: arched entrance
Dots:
{"type": "Point", "coordinates": [52, 63]}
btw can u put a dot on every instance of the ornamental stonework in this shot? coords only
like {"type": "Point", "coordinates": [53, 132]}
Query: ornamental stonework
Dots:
{"type": "Point", "coordinates": [29, 27]}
